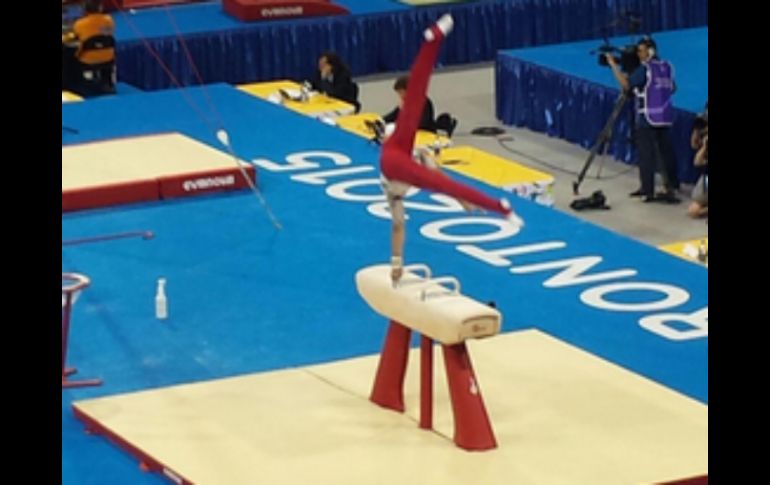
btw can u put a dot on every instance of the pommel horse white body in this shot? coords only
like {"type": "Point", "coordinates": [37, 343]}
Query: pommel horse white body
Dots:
{"type": "Point", "coordinates": [436, 309]}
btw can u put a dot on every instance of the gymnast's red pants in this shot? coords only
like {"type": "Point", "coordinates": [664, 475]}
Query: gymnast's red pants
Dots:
{"type": "Point", "coordinates": [396, 159]}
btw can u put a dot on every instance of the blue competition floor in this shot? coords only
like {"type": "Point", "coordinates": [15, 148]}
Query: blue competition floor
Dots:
{"type": "Point", "coordinates": [207, 17]}
{"type": "Point", "coordinates": [244, 297]}
{"type": "Point", "coordinates": [686, 49]}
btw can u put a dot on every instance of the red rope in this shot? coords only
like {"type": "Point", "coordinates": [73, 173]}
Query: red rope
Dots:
{"type": "Point", "coordinates": [209, 101]}
{"type": "Point", "coordinates": [217, 121]}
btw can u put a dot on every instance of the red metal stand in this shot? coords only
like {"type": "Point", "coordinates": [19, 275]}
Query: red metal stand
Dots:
{"type": "Point", "coordinates": [76, 282]}
{"type": "Point", "coordinates": [426, 382]}
{"type": "Point", "coordinates": [388, 390]}
{"type": "Point", "coordinates": [473, 430]}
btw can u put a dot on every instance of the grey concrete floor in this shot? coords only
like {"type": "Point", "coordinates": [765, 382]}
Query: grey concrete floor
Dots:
{"type": "Point", "coordinates": [468, 93]}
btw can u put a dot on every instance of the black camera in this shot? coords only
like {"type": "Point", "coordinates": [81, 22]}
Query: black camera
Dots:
{"type": "Point", "coordinates": [377, 127]}
{"type": "Point", "coordinates": [626, 58]}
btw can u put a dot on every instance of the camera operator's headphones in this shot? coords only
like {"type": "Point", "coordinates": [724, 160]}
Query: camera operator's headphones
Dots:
{"type": "Point", "coordinates": [652, 47]}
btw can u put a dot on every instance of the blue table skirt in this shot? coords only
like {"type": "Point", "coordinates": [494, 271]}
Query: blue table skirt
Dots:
{"type": "Point", "coordinates": [576, 110]}
{"type": "Point", "coordinates": [379, 42]}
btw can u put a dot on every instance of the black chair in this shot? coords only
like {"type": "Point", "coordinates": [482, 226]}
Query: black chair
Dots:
{"type": "Point", "coordinates": [446, 123]}
{"type": "Point", "coordinates": [101, 78]}
{"type": "Point", "coordinates": [355, 101]}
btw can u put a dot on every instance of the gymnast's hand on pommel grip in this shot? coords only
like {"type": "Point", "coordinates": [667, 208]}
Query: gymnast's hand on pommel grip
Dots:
{"type": "Point", "coordinates": [396, 269]}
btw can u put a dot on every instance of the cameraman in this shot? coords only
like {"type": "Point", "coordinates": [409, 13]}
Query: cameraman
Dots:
{"type": "Point", "coordinates": [653, 85]}
{"type": "Point", "coordinates": [699, 140]}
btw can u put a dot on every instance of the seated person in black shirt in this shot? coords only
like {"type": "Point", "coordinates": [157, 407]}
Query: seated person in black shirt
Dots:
{"type": "Point", "coordinates": [426, 121]}
{"type": "Point", "coordinates": [333, 79]}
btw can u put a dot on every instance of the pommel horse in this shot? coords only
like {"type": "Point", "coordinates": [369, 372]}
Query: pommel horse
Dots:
{"type": "Point", "coordinates": [436, 309]}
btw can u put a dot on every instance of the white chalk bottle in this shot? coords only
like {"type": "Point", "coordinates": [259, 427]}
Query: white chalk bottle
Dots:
{"type": "Point", "coordinates": [161, 304]}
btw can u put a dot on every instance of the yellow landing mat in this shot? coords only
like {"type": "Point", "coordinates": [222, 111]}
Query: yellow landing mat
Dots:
{"type": "Point", "coordinates": [489, 168]}
{"type": "Point", "coordinates": [68, 97]}
{"type": "Point", "coordinates": [688, 250]}
{"type": "Point", "coordinates": [356, 124]}
{"type": "Point", "coordinates": [560, 416]}
{"type": "Point", "coordinates": [317, 105]}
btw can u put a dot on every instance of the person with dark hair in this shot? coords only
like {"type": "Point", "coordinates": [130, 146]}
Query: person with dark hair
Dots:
{"type": "Point", "coordinates": [333, 79]}
{"type": "Point", "coordinates": [427, 121]}
{"type": "Point", "coordinates": [653, 86]}
{"type": "Point", "coordinates": [88, 61]}
{"type": "Point", "coordinates": [399, 167]}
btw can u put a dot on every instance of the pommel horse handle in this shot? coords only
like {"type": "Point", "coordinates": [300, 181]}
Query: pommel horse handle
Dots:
{"type": "Point", "coordinates": [415, 269]}
{"type": "Point", "coordinates": [419, 267]}
{"type": "Point", "coordinates": [440, 281]}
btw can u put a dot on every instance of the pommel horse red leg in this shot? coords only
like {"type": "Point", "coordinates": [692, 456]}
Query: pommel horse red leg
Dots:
{"type": "Point", "coordinates": [472, 428]}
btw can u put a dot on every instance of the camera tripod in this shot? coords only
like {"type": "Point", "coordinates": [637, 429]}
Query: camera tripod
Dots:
{"type": "Point", "coordinates": [601, 140]}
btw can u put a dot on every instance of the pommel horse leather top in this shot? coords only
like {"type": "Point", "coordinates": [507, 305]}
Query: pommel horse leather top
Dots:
{"type": "Point", "coordinates": [432, 306]}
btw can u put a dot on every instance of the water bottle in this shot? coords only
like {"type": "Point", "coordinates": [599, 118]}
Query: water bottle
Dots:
{"type": "Point", "coordinates": [161, 305]}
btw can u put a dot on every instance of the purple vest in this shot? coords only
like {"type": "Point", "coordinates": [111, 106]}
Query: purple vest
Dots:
{"type": "Point", "coordinates": [655, 100]}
